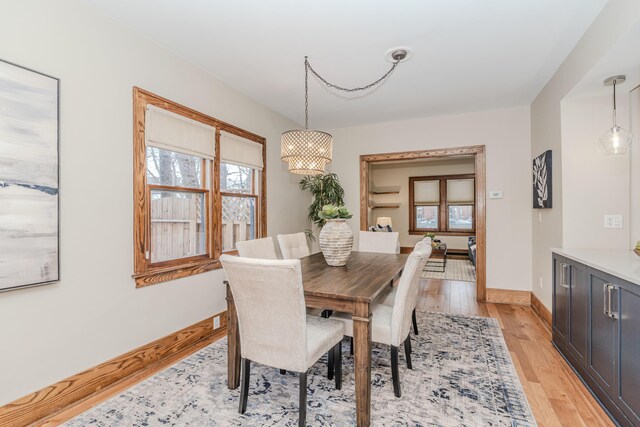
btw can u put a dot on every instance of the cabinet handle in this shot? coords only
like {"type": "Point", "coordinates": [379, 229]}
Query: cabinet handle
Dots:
{"type": "Point", "coordinates": [605, 292]}
{"type": "Point", "coordinates": [563, 275]}
{"type": "Point", "coordinates": [610, 287]}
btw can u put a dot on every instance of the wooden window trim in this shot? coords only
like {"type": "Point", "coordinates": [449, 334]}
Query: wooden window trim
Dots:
{"type": "Point", "coordinates": [443, 206]}
{"type": "Point", "coordinates": [145, 273]}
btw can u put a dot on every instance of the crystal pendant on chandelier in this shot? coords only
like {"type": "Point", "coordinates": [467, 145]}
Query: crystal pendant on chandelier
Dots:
{"type": "Point", "coordinates": [615, 141]}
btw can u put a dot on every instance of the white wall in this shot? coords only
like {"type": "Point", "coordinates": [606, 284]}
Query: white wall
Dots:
{"type": "Point", "coordinates": [506, 135]}
{"type": "Point", "coordinates": [397, 174]}
{"type": "Point", "coordinates": [95, 312]}
{"type": "Point", "coordinates": [617, 17]}
{"type": "Point", "coordinates": [593, 185]}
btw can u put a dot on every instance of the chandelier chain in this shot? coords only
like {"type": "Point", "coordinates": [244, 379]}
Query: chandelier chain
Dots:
{"type": "Point", "coordinates": [354, 89]}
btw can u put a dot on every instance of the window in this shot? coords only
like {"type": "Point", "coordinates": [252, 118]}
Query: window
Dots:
{"type": "Point", "coordinates": [443, 204]}
{"type": "Point", "coordinates": [193, 175]}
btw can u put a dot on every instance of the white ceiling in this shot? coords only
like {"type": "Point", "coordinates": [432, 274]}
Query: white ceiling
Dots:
{"type": "Point", "coordinates": [469, 54]}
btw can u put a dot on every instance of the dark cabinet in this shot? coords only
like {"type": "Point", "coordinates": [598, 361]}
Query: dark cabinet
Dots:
{"type": "Point", "coordinates": [571, 306]}
{"type": "Point", "coordinates": [596, 327]}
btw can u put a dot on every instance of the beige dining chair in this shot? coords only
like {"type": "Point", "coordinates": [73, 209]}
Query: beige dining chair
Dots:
{"type": "Point", "coordinates": [293, 246]}
{"type": "Point", "coordinates": [273, 326]}
{"type": "Point", "coordinates": [424, 246]}
{"type": "Point", "coordinates": [257, 248]}
{"type": "Point", "coordinates": [386, 243]}
{"type": "Point", "coordinates": [391, 325]}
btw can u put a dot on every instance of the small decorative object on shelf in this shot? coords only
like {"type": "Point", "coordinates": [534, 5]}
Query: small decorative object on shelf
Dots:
{"type": "Point", "coordinates": [637, 248]}
{"type": "Point", "coordinates": [336, 237]}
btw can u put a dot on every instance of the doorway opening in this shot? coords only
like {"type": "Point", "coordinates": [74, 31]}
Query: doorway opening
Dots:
{"type": "Point", "coordinates": [452, 206]}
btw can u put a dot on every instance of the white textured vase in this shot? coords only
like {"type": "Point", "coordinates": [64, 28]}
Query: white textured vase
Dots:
{"type": "Point", "coordinates": [336, 241]}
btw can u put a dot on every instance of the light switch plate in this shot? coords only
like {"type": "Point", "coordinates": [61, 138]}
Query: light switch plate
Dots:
{"type": "Point", "coordinates": [612, 221]}
{"type": "Point", "coordinates": [495, 194]}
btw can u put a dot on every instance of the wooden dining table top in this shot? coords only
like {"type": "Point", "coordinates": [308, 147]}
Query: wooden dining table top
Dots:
{"type": "Point", "coordinates": [362, 279]}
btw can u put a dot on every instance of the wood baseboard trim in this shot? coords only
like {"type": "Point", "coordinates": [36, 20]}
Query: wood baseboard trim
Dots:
{"type": "Point", "coordinates": [56, 397]}
{"type": "Point", "coordinates": [508, 296]}
{"type": "Point", "coordinates": [541, 311]}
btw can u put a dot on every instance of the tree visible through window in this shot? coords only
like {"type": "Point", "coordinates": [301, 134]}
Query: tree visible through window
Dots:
{"type": "Point", "coordinates": [239, 190]}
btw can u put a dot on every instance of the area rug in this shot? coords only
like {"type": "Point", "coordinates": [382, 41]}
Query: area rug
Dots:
{"type": "Point", "coordinates": [457, 269]}
{"type": "Point", "coordinates": [462, 376]}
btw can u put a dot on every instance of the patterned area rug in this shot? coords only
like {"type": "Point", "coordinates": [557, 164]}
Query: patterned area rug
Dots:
{"type": "Point", "coordinates": [462, 376]}
{"type": "Point", "coordinates": [457, 269]}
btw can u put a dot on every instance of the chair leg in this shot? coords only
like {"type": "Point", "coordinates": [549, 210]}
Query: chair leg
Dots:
{"type": "Point", "coordinates": [407, 351]}
{"type": "Point", "coordinates": [337, 358]}
{"type": "Point", "coordinates": [330, 364]}
{"type": "Point", "coordinates": [302, 417]}
{"type": "Point", "coordinates": [415, 322]}
{"type": "Point", "coordinates": [394, 371]}
{"type": "Point", "coordinates": [244, 385]}
{"type": "Point", "coordinates": [351, 346]}
{"type": "Point", "coordinates": [283, 371]}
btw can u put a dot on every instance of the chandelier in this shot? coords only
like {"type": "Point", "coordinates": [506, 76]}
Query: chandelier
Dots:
{"type": "Point", "coordinates": [308, 151]}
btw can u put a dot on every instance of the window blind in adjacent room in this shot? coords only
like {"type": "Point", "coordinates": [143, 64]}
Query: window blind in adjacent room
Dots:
{"type": "Point", "coordinates": [460, 191]}
{"type": "Point", "coordinates": [426, 192]}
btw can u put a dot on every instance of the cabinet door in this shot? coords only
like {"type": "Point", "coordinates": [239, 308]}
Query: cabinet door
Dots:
{"type": "Point", "coordinates": [578, 311]}
{"type": "Point", "coordinates": [602, 334]}
{"type": "Point", "coordinates": [560, 297]}
{"type": "Point", "coordinates": [628, 313]}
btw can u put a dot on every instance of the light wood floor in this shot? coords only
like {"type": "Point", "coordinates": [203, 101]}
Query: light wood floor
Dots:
{"type": "Point", "coordinates": [556, 395]}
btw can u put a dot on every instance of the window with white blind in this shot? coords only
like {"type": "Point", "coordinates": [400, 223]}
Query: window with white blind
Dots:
{"type": "Point", "coordinates": [193, 176]}
{"type": "Point", "coordinates": [241, 165]}
{"type": "Point", "coordinates": [442, 204]}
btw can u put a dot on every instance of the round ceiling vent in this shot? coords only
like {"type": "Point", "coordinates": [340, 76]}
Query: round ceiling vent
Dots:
{"type": "Point", "coordinates": [399, 53]}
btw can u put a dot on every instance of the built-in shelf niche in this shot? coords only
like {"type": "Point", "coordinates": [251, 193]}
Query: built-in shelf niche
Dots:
{"type": "Point", "coordinates": [391, 189]}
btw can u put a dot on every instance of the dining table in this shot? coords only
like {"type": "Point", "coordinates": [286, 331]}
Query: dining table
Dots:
{"type": "Point", "coordinates": [353, 288]}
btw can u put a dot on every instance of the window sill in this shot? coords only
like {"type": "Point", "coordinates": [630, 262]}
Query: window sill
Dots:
{"type": "Point", "coordinates": [443, 233]}
{"type": "Point", "coordinates": [159, 275]}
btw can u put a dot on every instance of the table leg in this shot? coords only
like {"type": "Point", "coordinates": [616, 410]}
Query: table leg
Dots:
{"type": "Point", "coordinates": [233, 343]}
{"type": "Point", "coordinates": [362, 344]}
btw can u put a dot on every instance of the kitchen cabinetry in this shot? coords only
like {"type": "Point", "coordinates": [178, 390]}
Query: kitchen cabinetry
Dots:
{"type": "Point", "coordinates": [596, 327]}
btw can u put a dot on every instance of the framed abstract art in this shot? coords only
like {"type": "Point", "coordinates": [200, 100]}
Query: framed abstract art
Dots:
{"type": "Point", "coordinates": [542, 189]}
{"type": "Point", "coordinates": [29, 190]}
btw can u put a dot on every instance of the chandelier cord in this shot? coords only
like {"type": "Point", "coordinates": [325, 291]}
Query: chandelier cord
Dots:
{"type": "Point", "coordinates": [308, 67]}
{"type": "Point", "coordinates": [614, 103]}
{"type": "Point", "coordinates": [354, 89]}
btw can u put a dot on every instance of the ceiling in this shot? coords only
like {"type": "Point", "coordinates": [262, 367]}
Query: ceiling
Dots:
{"type": "Point", "coordinates": [469, 55]}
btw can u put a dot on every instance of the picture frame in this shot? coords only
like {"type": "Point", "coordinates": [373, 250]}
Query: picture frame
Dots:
{"type": "Point", "coordinates": [29, 177]}
{"type": "Point", "coordinates": [542, 181]}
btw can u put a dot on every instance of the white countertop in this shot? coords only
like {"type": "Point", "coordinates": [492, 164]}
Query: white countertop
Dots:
{"type": "Point", "coordinates": [622, 264]}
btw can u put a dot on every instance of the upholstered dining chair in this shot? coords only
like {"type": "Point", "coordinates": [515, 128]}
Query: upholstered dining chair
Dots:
{"type": "Point", "coordinates": [387, 243]}
{"type": "Point", "coordinates": [257, 248]}
{"type": "Point", "coordinates": [391, 325]}
{"type": "Point", "coordinates": [424, 246]}
{"type": "Point", "coordinates": [293, 246]}
{"type": "Point", "coordinates": [273, 326]}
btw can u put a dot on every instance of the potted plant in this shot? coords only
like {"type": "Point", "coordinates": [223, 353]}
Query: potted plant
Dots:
{"type": "Point", "coordinates": [326, 190]}
{"type": "Point", "coordinates": [336, 237]}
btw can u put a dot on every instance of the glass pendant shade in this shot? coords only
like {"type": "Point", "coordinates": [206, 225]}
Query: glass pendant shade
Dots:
{"type": "Point", "coordinates": [306, 151]}
{"type": "Point", "coordinates": [615, 141]}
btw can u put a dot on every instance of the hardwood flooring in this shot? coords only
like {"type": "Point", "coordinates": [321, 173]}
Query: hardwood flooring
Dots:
{"type": "Point", "coordinates": [555, 394]}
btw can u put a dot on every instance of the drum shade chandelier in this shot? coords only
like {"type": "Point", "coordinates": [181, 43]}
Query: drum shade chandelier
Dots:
{"type": "Point", "coordinates": [308, 151]}
{"type": "Point", "coordinates": [616, 140]}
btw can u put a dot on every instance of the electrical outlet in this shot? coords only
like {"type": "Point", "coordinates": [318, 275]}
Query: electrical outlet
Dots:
{"type": "Point", "coordinates": [216, 322]}
{"type": "Point", "coordinates": [612, 221]}
{"type": "Point", "coordinates": [540, 282]}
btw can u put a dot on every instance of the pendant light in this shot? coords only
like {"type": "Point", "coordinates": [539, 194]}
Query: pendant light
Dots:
{"type": "Point", "coordinates": [308, 151]}
{"type": "Point", "coordinates": [616, 140]}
